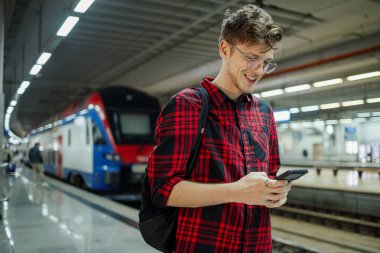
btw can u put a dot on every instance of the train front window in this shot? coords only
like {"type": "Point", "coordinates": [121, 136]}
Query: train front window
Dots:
{"type": "Point", "coordinates": [135, 124]}
{"type": "Point", "coordinates": [133, 128]}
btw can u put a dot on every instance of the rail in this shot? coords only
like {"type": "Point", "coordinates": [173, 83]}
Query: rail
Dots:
{"type": "Point", "coordinates": [364, 225]}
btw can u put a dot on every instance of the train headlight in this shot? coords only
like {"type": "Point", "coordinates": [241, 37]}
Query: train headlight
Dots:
{"type": "Point", "coordinates": [112, 157]}
{"type": "Point", "coordinates": [116, 158]}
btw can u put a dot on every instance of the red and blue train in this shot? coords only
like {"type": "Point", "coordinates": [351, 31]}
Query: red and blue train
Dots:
{"type": "Point", "coordinates": [103, 142]}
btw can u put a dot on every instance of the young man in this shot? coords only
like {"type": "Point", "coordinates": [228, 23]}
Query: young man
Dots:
{"type": "Point", "coordinates": [224, 205]}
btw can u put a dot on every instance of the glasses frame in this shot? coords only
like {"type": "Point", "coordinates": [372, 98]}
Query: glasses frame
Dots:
{"type": "Point", "coordinates": [255, 62]}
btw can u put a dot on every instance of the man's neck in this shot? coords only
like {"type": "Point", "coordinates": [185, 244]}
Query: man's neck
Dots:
{"type": "Point", "coordinates": [225, 84]}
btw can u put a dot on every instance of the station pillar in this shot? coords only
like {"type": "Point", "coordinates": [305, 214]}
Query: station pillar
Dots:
{"type": "Point", "coordinates": [2, 35]}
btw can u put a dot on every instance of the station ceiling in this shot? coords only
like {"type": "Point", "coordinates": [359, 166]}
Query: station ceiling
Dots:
{"type": "Point", "coordinates": [162, 46]}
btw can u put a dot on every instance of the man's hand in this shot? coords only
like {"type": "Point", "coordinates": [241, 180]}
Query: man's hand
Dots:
{"type": "Point", "coordinates": [257, 189]}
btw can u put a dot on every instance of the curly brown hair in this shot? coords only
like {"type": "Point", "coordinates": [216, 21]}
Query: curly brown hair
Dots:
{"type": "Point", "coordinates": [250, 24]}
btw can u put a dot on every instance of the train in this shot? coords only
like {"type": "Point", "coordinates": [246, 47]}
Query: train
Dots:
{"type": "Point", "coordinates": [101, 143]}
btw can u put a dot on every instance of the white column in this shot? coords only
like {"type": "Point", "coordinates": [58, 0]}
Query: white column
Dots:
{"type": "Point", "coordinates": [2, 34]}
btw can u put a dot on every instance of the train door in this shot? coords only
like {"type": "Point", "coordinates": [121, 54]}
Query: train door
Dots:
{"type": "Point", "coordinates": [59, 157]}
{"type": "Point", "coordinates": [100, 144]}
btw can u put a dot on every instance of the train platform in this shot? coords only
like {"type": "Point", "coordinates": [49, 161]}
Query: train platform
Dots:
{"type": "Point", "coordinates": [61, 218]}
{"type": "Point", "coordinates": [345, 180]}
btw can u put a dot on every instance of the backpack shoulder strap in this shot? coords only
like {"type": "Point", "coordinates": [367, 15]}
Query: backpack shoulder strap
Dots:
{"type": "Point", "coordinates": [201, 128]}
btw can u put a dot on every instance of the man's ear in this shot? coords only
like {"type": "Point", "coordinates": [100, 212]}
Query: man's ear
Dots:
{"type": "Point", "coordinates": [224, 49]}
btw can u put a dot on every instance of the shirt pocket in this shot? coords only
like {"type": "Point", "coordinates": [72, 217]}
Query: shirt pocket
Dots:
{"type": "Point", "coordinates": [260, 140]}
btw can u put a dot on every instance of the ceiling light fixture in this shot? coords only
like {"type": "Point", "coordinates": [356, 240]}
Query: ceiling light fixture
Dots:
{"type": "Point", "coordinates": [294, 110]}
{"type": "Point", "coordinates": [363, 76]}
{"type": "Point", "coordinates": [364, 114]}
{"type": "Point", "coordinates": [272, 93]}
{"type": "Point", "coordinates": [345, 121]}
{"type": "Point", "coordinates": [359, 120]}
{"type": "Point", "coordinates": [329, 106]}
{"type": "Point", "coordinates": [10, 110]}
{"type": "Point", "coordinates": [67, 26]}
{"type": "Point", "coordinates": [297, 88]}
{"type": "Point", "coordinates": [43, 58]}
{"type": "Point", "coordinates": [24, 85]}
{"type": "Point", "coordinates": [310, 108]}
{"type": "Point", "coordinates": [328, 82]}
{"type": "Point", "coordinates": [374, 119]}
{"type": "Point", "coordinates": [353, 102]}
{"type": "Point", "coordinates": [83, 5]}
{"type": "Point", "coordinates": [373, 100]}
{"type": "Point", "coordinates": [13, 103]}
{"type": "Point", "coordinates": [35, 69]}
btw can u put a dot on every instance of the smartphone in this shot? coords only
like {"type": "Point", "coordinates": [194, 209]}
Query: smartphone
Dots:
{"type": "Point", "coordinates": [291, 175]}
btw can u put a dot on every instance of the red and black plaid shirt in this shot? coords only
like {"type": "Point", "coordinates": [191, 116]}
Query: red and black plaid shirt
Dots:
{"type": "Point", "coordinates": [240, 138]}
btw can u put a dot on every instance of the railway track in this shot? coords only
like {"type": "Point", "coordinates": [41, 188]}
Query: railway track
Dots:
{"type": "Point", "coordinates": [362, 224]}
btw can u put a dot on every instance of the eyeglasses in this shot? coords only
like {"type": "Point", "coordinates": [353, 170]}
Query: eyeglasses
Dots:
{"type": "Point", "coordinates": [254, 62]}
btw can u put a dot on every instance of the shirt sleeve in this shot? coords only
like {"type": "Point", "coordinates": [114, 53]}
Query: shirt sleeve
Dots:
{"type": "Point", "coordinates": [274, 156]}
{"type": "Point", "coordinates": [176, 132]}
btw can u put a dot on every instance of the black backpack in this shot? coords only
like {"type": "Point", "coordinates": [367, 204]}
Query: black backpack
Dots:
{"type": "Point", "coordinates": [158, 225]}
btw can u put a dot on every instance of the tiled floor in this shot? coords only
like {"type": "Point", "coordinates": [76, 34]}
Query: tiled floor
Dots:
{"type": "Point", "coordinates": [41, 219]}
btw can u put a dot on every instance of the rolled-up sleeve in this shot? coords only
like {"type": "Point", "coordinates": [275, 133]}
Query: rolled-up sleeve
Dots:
{"type": "Point", "coordinates": [176, 132]}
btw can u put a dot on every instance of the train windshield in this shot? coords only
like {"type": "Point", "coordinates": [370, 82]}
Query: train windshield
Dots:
{"type": "Point", "coordinates": [133, 127]}
{"type": "Point", "coordinates": [135, 124]}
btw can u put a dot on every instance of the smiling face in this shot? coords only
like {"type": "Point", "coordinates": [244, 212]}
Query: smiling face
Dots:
{"type": "Point", "coordinates": [236, 75]}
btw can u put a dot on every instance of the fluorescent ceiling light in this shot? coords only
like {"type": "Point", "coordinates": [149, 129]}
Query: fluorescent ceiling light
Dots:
{"type": "Point", "coordinates": [297, 88]}
{"type": "Point", "coordinates": [83, 5]}
{"type": "Point", "coordinates": [373, 100]}
{"type": "Point", "coordinates": [35, 69]}
{"type": "Point", "coordinates": [375, 118]}
{"type": "Point", "coordinates": [13, 103]}
{"type": "Point", "coordinates": [363, 76]}
{"type": "Point", "coordinates": [329, 106]}
{"type": "Point", "coordinates": [294, 110]}
{"type": "Point", "coordinates": [281, 116]}
{"type": "Point", "coordinates": [328, 82]}
{"type": "Point", "coordinates": [43, 58]}
{"type": "Point", "coordinates": [353, 102]}
{"type": "Point", "coordinates": [376, 114]}
{"type": "Point", "coordinates": [345, 121]}
{"type": "Point", "coordinates": [331, 122]}
{"type": "Point", "coordinates": [24, 85]}
{"type": "Point", "coordinates": [10, 110]}
{"type": "Point", "coordinates": [67, 26]}
{"type": "Point", "coordinates": [364, 114]}
{"type": "Point", "coordinates": [271, 93]}
{"type": "Point", "coordinates": [310, 108]}
{"type": "Point", "coordinates": [358, 120]}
